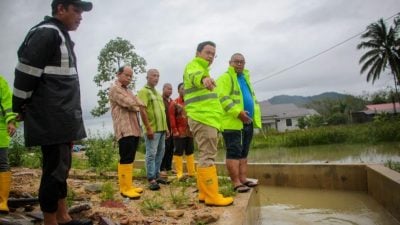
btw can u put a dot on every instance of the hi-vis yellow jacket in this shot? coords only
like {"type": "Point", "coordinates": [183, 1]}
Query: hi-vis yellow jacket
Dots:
{"type": "Point", "coordinates": [230, 95]}
{"type": "Point", "coordinates": [6, 114]}
{"type": "Point", "coordinates": [201, 104]}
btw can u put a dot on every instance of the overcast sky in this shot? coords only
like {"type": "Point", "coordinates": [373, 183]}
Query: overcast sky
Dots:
{"type": "Point", "coordinates": [272, 35]}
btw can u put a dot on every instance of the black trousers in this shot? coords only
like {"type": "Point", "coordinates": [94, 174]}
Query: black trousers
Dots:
{"type": "Point", "coordinates": [56, 163]}
{"type": "Point", "coordinates": [127, 149]}
{"type": "Point", "coordinates": [166, 163]}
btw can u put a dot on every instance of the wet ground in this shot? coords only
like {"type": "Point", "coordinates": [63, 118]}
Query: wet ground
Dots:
{"type": "Point", "coordinates": [154, 207]}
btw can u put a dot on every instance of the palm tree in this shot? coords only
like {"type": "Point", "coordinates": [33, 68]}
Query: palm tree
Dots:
{"type": "Point", "coordinates": [383, 52]}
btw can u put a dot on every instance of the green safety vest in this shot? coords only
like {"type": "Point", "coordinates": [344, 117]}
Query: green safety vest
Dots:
{"type": "Point", "coordinates": [201, 104]}
{"type": "Point", "coordinates": [6, 114]}
{"type": "Point", "coordinates": [231, 98]}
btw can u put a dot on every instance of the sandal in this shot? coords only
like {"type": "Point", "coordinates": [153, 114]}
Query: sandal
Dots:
{"type": "Point", "coordinates": [241, 188]}
{"type": "Point", "coordinates": [250, 184]}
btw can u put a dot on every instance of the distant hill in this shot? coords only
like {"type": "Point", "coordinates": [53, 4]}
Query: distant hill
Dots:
{"type": "Point", "coordinates": [302, 101]}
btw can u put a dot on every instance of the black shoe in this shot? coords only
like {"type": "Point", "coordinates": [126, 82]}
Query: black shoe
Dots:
{"type": "Point", "coordinates": [162, 181]}
{"type": "Point", "coordinates": [154, 186]}
{"type": "Point", "coordinates": [78, 222]}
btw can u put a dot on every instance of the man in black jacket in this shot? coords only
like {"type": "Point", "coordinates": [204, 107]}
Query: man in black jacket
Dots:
{"type": "Point", "coordinates": [47, 97]}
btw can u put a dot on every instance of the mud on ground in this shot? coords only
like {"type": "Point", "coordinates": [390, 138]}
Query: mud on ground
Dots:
{"type": "Point", "coordinates": [87, 190]}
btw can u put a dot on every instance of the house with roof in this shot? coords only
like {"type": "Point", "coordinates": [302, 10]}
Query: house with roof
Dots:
{"type": "Point", "coordinates": [283, 117]}
{"type": "Point", "coordinates": [370, 111]}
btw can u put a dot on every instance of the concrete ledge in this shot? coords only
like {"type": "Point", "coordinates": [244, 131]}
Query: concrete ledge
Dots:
{"type": "Point", "coordinates": [322, 176]}
{"type": "Point", "coordinates": [244, 210]}
{"type": "Point", "coordinates": [384, 187]}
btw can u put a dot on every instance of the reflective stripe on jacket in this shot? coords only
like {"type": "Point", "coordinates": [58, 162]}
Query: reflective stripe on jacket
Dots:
{"type": "Point", "coordinates": [231, 98]}
{"type": "Point", "coordinates": [46, 86]}
{"type": "Point", "coordinates": [201, 104]}
{"type": "Point", "coordinates": [6, 114]}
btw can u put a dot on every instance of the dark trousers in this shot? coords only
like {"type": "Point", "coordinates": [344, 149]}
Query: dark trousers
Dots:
{"type": "Point", "coordinates": [166, 164]}
{"type": "Point", "coordinates": [183, 145]}
{"type": "Point", "coordinates": [237, 142]}
{"type": "Point", "coordinates": [127, 149]}
{"type": "Point", "coordinates": [4, 165]}
{"type": "Point", "coordinates": [56, 163]}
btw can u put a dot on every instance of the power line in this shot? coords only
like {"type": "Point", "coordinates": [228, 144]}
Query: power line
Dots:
{"type": "Point", "coordinates": [316, 55]}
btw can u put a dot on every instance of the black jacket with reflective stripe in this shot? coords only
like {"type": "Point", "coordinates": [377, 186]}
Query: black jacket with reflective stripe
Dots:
{"type": "Point", "coordinates": [46, 86]}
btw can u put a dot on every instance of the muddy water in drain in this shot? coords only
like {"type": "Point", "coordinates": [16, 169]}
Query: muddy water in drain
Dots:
{"type": "Point", "coordinates": [295, 206]}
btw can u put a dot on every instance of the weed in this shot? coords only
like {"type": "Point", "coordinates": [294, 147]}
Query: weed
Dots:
{"type": "Point", "coordinates": [140, 173]}
{"type": "Point", "coordinates": [225, 186]}
{"type": "Point", "coordinates": [179, 197]}
{"type": "Point", "coordinates": [107, 191]}
{"type": "Point", "coordinates": [70, 197]}
{"type": "Point", "coordinates": [151, 204]}
{"type": "Point", "coordinates": [16, 150]}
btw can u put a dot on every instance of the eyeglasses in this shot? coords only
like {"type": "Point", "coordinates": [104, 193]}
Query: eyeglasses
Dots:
{"type": "Point", "coordinates": [237, 62]}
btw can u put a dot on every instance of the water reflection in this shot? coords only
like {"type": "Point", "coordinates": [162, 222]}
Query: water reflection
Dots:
{"type": "Point", "coordinates": [338, 153]}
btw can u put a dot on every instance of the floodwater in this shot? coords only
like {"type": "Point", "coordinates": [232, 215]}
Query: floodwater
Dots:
{"type": "Point", "coordinates": [298, 206]}
{"type": "Point", "coordinates": [333, 153]}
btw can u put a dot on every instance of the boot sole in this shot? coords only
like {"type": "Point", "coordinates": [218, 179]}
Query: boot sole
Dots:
{"type": "Point", "coordinates": [133, 198]}
{"type": "Point", "coordinates": [208, 204]}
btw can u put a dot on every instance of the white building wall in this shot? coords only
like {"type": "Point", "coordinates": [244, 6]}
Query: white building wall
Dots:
{"type": "Point", "coordinates": [282, 125]}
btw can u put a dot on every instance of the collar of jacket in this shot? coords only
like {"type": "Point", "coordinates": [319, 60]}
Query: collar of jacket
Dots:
{"type": "Point", "coordinates": [202, 62]}
{"type": "Point", "coordinates": [232, 71]}
{"type": "Point", "coordinates": [58, 23]}
{"type": "Point", "coordinates": [148, 87]}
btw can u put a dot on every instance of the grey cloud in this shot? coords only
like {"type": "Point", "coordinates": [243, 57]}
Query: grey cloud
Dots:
{"type": "Point", "coordinates": [271, 34]}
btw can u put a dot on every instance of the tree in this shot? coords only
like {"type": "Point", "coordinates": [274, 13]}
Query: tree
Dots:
{"type": "Point", "coordinates": [116, 53]}
{"type": "Point", "coordinates": [330, 109]}
{"type": "Point", "coordinates": [383, 51]}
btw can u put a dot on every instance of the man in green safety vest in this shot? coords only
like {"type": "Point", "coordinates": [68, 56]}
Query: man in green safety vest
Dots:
{"type": "Point", "coordinates": [241, 114]}
{"type": "Point", "coordinates": [204, 111]}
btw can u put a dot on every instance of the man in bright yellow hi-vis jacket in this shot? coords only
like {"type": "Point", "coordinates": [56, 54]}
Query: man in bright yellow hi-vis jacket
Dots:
{"type": "Point", "coordinates": [241, 114]}
{"type": "Point", "coordinates": [7, 129]}
{"type": "Point", "coordinates": [204, 111]}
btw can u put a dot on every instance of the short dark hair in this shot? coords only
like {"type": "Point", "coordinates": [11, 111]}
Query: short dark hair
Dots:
{"type": "Point", "coordinates": [180, 85]}
{"type": "Point", "coordinates": [203, 44]}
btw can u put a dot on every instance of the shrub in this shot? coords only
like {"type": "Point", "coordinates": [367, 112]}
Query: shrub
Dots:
{"type": "Point", "coordinates": [101, 153]}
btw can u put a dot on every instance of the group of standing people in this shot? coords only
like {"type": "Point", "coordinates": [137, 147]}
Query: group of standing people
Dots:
{"type": "Point", "coordinates": [46, 97]}
{"type": "Point", "coordinates": [228, 105]}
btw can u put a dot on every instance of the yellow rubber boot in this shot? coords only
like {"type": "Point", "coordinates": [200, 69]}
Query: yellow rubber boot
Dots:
{"type": "Point", "coordinates": [202, 197]}
{"type": "Point", "coordinates": [178, 161]}
{"type": "Point", "coordinates": [137, 189]}
{"type": "Point", "coordinates": [125, 181]}
{"type": "Point", "coordinates": [5, 182]}
{"type": "Point", "coordinates": [190, 165]}
{"type": "Point", "coordinates": [208, 182]}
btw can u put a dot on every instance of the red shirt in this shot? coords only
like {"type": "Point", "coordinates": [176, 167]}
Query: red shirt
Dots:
{"type": "Point", "coordinates": [178, 119]}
